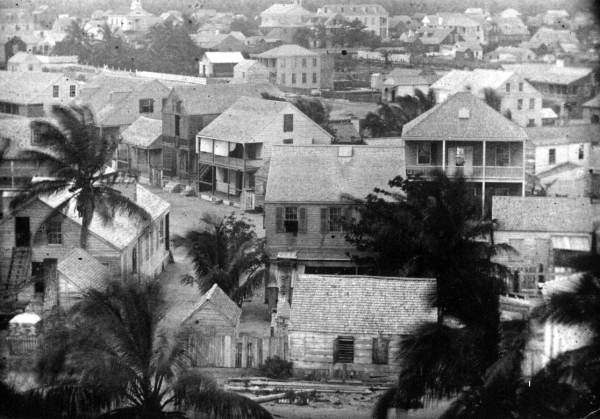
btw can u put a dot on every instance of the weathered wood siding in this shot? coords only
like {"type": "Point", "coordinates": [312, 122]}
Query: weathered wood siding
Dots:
{"type": "Point", "coordinates": [314, 351]}
{"type": "Point", "coordinates": [208, 320]}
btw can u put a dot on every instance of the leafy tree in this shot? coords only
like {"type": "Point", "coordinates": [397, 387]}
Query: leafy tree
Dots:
{"type": "Point", "coordinates": [374, 125]}
{"type": "Point", "coordinates": [77, 42]}
{"type": "Point", "coordinates": [414, 105]}
{"type": "Point", "coordinates": [113, 50]}
{"type": "Point", "coordinates": [225, 251]}
{"type": "Point", "coordinates": [435, 229]}
{"type": "Point", "coordinates": [248, 27]}
{"type": "Point", "coordinates": [303, 37]}
{"type": "Point", "coordinates": [108, 353]}
{"type": "Point", "coordinates": [77, 157]}
{"type": "Point", "coordinates": [314, 109]}
{"type": "Point", "coordinates": [492, 99]}
{"type": "Point", "coordinates": [354, 34]}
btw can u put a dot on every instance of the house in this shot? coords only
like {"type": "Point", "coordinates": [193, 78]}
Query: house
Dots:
{"type": "Point", "coordinates": [591, 110]}
{"type": "Point", "coordinates": [23, 61]}
{"type": "Point", "coordinates": [569, 179]}
{"type": "Point", "coordinates": [510, 13]}
{"type": "Point", "coordinates": [134, 19]}
{"type": "Point", "coordinates": [463, 136]}
{"type": "Point", "coordinates": [219, 64]}
{"type": "Point", "coordinates": [517, 96]}
{"type": "Point", "coordinates": [31, 93]}
{"type": "Point", "coordinates": [468, 51]}
{"type": "Point", "coordinates": [140, 149]}
{"type": "Point", "coordinates": [434, 40]}
{"type": "Point", "coordinates": [552, 39]}
{"type": "Point", "coordinates": [117, 101]}
{"type": "Point", "coordinates": [33, 240]}
{"type": "Point", "coordinates": [465, 26]}
{"type": "Point", "coordinates": [234, 146]}
{"type": "Point", "coordinates": [508, 31]}
{"type": "Point", "coordinates": [250, 71]}
{"type": "Point", "coordinates": [295, 67]}
{"type": "Point", "coordinates": [310, 190]}
{"type": "Point", "coordinates": [373, 16]}
{"type": "Point", "coordinates": [281, 15]}
{"type": "Point", "coordinates": [545, 232]}
{"type": "Point", "coordinates": [563, 88]}
{"type": "Point", "coordinates": [404, 81]}
{"type": "Point", "coordinates": [511, 55]}
{"type": "Point", "coordinates": [352, 326]}
{"type": "Point", "coordinates": [186, 111]}
{"type": "Point", "coordinates": [556, 17]}
{"type": "Point", "coordinates": [219, 41]}
{"type": "Point", "coordinates": [563, 144]}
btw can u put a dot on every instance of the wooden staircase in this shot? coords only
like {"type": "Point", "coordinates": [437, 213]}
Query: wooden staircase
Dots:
{"type": "Point", "coordinates": [19, 272]}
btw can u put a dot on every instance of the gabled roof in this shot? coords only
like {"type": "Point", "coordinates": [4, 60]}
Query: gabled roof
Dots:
{"type": "Point", "coordinates": [548, 73]}
{"type": "Point", "coordinates": [354, 305]}
{"type": "Point", "coordinates": [214, 99]}
{"type": "Point", "coordinates": [123, 229]}
{"type": "Point", "coordinates": [219, 57]}
{"type": "Point", "coordinates": [322, 173]}
{"type": "Point", "coordinates": [27, 87]}
{"type": "Point", "coordinates": [82, 270]}
{"type": "Point", "coordinates": [543, 214]}
{"type": "Point", "coordinates": [510, 26]}
{"type": "Point", "coordinates": [286, 9]}
{"type": "Point", "coordinates": [476, 80]}
{"type": "Point", "coordinates": [23, 57]}
{"type": "Point", "coordinates": [560, 168]}
{"type": "Point", "coordinates": [287, 51]}
{"type": "Point", "coordinates": [482, 122]}
{"type": "Point", "coordinates": [17, 130]}
{"type": "Point", "coordinates": [565, 134]}
{"type": "Point", "coordinates": [593, 103]}
{"type": "Point", "coordinates": [247, 64]}
{"type": "Point", "coordinates": [436, 37]}
{"type": "Point", "coordinates": [547, 36]}
{"type": "Point", "coordinates": [216, 297]}
{"type": "Point", "coordinates": [144, 132]}
{"type": "Point", "coordinates": [245, 119]}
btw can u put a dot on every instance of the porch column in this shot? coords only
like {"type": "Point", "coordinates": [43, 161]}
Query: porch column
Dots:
{"type": "Point", "coordinates": [444, 156]}
{"type": "Point", "coordinates": [213, 168]}
{"type": "Point", "coordinates": [483, 180]}
{"type": "Point", "coordinates": [228, 171]}
{"type": "Point", "coordinates": [243, 173]}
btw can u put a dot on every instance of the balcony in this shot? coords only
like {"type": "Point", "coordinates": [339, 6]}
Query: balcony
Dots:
{"type": "Point", "coordinates": [472, 172]}
{"type": "Point", "coordinates": [228, 162]}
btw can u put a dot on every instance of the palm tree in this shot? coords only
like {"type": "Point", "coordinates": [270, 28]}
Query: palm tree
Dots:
{"type": "Point", "coordinates": [108, 353]}
{"type": "Point", "coordinates": [492, 99]}
{"type": "Point", "coordinates": [224, 252]}
{"type": "Point", "coordinates": [77, 157]}
{"type": "Point", "coordinates": [414, 105]}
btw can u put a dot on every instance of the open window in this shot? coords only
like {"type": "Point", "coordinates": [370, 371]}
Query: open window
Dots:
{"type": "Point", "coordinates": [290, 220]}
{"type": "Point", "coordinates": [381, 347]}
{"type": "Point", "coordinates": [343, 350]}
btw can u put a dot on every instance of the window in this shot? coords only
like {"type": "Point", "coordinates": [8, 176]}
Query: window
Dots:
{"type": "Point", "coordinates": [381, 348]}
{"type": "Point", "coordinates": [424, 153]}
{"type": "Point", "coordinates": [35, 137]}
{"type": "Point", "coordinates": [460, 156]}
{"type": "Point", "coordinates": [517, 245]}
{"type": "Point", "coordinates": [520, 104]}
{"type": "Point", "coordinates": [164, 102]}
{"type": "Point", "coordinates": [502, 155]}
{"type": "Point", "coordinates": [161, 231]}
{"type": "Point", "coordinates": [343, 350]}
{"type": "Point", "coordinates": [54, 91]}
{"type": "Point", "coordinates": [303, 78]}
{"type": "Point", "coordinates": [54, 231]}
{"type": "Point", "coordinates": [507, 87]}
{"type": "Point", "coordinates": [552, 156]}
{"type": "Point", "coordinates": [290, 221]}
{"type": "Point", "coordinates": [314, 62]}
{"type": "Point", "coordinates": [531, 123]}
{"type": "Point", "coordinates": [580, 152]}
{"type": "Point", "coordinates": [314, 77]}
{"type": "Point", "coordinates": [288, 122]}
{"type": "Point", "coordinates": [532, 103]}
{"type": "Point", "coordinates": [282, 78]}
{"type": "Point", "coordinates": [521, 87]}
{"type": "Point", "coordinates": [331, 220]}
{"type": "Point", "coordinates": [134, 260]}
{"type": "Point", "coordinates": [304, 62]}
{"type": "Point", "coordinates": [146, 105]}
{"type": "Point", "coordinates": [293, 78]}
{"type": "Point", "coordinates": [72, 90]}
{"type": "Point", "coordinates": [177, 120]}
{"type": "Point", "coordinates": [288, 141]}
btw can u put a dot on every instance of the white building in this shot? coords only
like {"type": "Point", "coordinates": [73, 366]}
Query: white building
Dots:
{"type": "Point", "coordinates": [136, 19]}
{"type": "Point", "coordinates": [219, 64]}
{"type": "Point", "coordinates": [373, 16]}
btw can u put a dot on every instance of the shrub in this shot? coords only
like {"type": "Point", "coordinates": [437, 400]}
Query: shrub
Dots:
{"type": "Point", "coordinates": [275, 367]}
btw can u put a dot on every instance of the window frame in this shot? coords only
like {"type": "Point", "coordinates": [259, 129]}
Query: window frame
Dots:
{"type": "Point", "coordinates": [507, 87]}
{"type": "Point", "coordinates": [552, 156]}
{"type": "Point", "coordinates": [146, 105]}
{"type": "Point", "coordinates": [581, 152]}
{"type": "Point", "coordinates": [72, 90]}
{"type": "Point", "coordinates": [334, 221]}
{"type": "Point", "coordinates": [291, 216]}
{"type": "Point", "coordinates": [501, 147]}
{"type": "Point", "coordinates": [532, 103]}
{"type": "Point", "coordinates": [378, 358]}
{"type": "Point", "coordinates": [421, 149]}
{"type": "Point", "coordinates": [54, 235]}
{"type": "Point", "coordinates": [519, 104]}
{"type": "Point", "coordinates": [346, 354]}
{"type": "Point", "coordinates": [288, 122]}
{"type": "Point", "coordinates": [55, 90]}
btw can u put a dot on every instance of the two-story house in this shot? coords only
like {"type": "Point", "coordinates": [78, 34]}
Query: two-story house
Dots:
{"type": "Point", "coordinates": [466, 26]}
{"type": "Point", "coordinates": [309, 193]}
{"type": "Point", "coordinates": [141, 150]}
{"type": "Point", "coordinates": [565, 89]}
{"type": "Point", "coordinates": [32, 240]}
{"type": "Point", "coordinates": [517, 96]}
{"type": "Point", "coordinates": [284, 15]}
{"type": "Point", "coordinates": [297, 68]}
{"type": "Point", "coordinates": [373, 16]}
{"type": "Point", "coordinates": [186, 111]}
{"type": "Point", "coordinates": [233, 147]}
{"type": "Point", "coordinates": [31, 93]}
{"type": "Point", "coordinates": [508, 31]}
{"type": "Point", "coordinates": [219, 64]}
{"type": "Point", "coordinates": [463, 136]}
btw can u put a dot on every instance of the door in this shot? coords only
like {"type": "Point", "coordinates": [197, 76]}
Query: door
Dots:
{"type": "Point", "coordinates": [22, 232]}
{"type": "Point", "coordinates": [460, 161]}
{"type": "Point", "coordinates": [167, 237]}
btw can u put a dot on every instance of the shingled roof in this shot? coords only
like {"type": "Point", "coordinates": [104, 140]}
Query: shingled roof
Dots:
{"type": "Point", "coordinates": [361, 305]}
{"type": "Point", "coordinates": [322, 173]}
{"type": "Point", "coordinates": [82, 270]}
{"type": "Point", "coordinates": [477, 122]}
{"type": "Point", "coordinates": [216, 297]}
{"type": "Point", "coordinates": [565, 134]}
{"type": "Point", "coordinates": [144, 132]}
{"type": "Point", "coordinates": [27, 87]}
{"type": "Point", "coordinates": [543, 214]}
{"type": "Point", "coordinates": [287, 51]}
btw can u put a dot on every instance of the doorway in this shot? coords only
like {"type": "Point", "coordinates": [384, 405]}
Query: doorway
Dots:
{"type": "Point", "coordinates": [22, 232]}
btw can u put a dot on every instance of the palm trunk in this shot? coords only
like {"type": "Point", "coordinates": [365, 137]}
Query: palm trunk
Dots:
{"type": "Point", "coordinates": [87, 216]}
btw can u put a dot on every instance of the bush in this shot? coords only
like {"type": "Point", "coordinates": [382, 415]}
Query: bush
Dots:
{"type": "Point", "coordinates": [275, 367]}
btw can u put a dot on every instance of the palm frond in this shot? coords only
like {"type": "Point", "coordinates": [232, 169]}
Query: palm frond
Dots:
{"type": "Point", "coordinates": [37, 189]}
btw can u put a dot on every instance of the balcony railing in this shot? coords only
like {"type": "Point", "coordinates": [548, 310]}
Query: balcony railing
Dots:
{"type": "Point", "coordinates": [477, 172]}
{"type": "Point", "coordinates": [229, 162]}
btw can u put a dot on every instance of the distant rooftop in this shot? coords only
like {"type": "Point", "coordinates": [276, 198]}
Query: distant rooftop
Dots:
{"type": "Point", "coordinates": [287, 51]}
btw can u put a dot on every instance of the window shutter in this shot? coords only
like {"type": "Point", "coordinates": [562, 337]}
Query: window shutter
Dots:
{"type": "Point", "coordinates": [279, 219]}
{"type": "Point", "coordinates": [302, 220]}
{"type": "Point", "coordinates": [324, 220]}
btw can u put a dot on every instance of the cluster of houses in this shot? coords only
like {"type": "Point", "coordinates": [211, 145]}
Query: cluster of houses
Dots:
{"type": "Point", "coordinates": [233, 135]}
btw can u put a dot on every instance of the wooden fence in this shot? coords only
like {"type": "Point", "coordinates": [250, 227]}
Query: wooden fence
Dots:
{"type": "Point", "coordinates": [230, 352]}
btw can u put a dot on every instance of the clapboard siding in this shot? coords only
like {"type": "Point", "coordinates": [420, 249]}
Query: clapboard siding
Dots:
{"type": "Point", "coordinates": [208, 320]}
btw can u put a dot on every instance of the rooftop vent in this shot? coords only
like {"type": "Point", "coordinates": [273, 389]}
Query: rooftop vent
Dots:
{"type": "Point", "coordinates": [345, 151]}
{"type": "Point", "coordinates": [464, 113]}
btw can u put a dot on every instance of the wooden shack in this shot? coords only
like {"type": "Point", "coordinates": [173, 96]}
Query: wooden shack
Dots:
{"type": "Point", "coordinates": [353, 325]}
